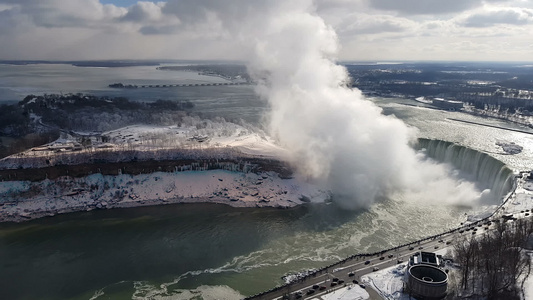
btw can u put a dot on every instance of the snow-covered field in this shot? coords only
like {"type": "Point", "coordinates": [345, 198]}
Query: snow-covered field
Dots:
{"type": "Point", "coordinates": [353, 292]}
{"type": "Point", "coordinates": [387, 282]}
{"type": "Point", "coordinates": [192, 138]}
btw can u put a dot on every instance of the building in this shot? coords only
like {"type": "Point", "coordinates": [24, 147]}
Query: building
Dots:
{"type": "Point", "coordinates": [447, 104]}
{"type": "Point", "coordinates": [424, 278]}
{"type": "Point", "coordinates": [427, 258]}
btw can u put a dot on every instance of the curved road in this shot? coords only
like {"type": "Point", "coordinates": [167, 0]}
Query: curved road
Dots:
{"type": "Point", "coordinates": [356, 266]}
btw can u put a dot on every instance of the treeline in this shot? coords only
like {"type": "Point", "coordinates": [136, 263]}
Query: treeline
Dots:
{"type": "Point", "coordinates": [495, 265]}
{"type": "Point", "coordinates": [14, 121]}
{"type": "Point", "coordinates": [74, 102]}
{"type": "Point", "coordinates": [92, 113]}
{"type": "Point", "coordinates": [27, 141]}
{"type": "Point", "coordinates": [37, 120]}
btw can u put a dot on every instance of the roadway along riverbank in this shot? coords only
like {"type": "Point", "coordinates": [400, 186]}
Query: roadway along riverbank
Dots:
{"type": "Point", "coordinates": [491, 126]}
{"type": "Point", "coordinates": [356, 266]}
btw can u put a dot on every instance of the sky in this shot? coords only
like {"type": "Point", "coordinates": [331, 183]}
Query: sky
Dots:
{"type": "Point", "coordinates": [375, 30]}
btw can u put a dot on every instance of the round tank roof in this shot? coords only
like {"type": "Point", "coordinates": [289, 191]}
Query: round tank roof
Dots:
{"type": "Point", "coordinates": [428, 274]}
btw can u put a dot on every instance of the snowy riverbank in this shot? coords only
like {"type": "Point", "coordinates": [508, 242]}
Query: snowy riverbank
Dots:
{"type": "Point", "coordinates": [24, 200]}
{"type": "Point", "coordinates": [194, 139]}
{"type": "Point", "coordinates": [212, 164]}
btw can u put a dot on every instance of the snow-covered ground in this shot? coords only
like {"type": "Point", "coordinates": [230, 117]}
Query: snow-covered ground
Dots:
{"type": "Point", "coordinates": [353, 292]}
{"type": "Point", "coordinates": [191, 136]}
{"type": "Point", "coordinates": [522, 199]}
{"type": "Point", "coordinates": [528, 285]}
{"type": "Point", "coordinates": [389, 282]}
{"type": "Point", "coordinates": [26, 200]}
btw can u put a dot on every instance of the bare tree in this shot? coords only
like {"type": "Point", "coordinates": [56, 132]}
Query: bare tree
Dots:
{"type": "Point", "coordinates": [494, 263]}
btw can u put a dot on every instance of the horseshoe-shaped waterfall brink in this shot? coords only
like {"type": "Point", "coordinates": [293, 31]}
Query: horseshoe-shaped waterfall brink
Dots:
{"type": "Point", "coordinates": [487, 171]}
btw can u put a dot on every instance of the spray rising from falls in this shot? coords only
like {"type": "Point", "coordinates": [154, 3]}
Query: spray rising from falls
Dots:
{"type": "Point", "coordinates": [485, 170]}
{"type": "Point", "coordinates": [337, 137]}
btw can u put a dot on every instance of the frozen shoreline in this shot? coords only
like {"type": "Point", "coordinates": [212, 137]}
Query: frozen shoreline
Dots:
{"type": "Point", "coordinates": [221, 163]}
{"type": "Point", "coordinates": [22, 200]}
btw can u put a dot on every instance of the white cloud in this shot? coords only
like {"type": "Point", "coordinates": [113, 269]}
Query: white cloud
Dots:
{"type": "Point", "coordinates": [68, 14]}
{"type": "Point", "coordinates": [359, 24]}
{"type": "Point", "coordinates": [144, 11]}
{"type": "Point", "coordinates": [414, 7]}
{"type": "Point", "coordinates": [495, 16]}
{"type": "Point", "coordinates": [367, 29]}
{"type": "Point", "coordinates": [430, 7]}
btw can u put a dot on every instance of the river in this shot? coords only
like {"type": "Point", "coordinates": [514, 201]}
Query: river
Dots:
{"type": "Point", "coordinates": [183, 251]}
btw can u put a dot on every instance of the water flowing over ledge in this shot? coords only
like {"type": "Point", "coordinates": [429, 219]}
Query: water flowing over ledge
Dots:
{"type": "Point", "coordinates": [485, 170]}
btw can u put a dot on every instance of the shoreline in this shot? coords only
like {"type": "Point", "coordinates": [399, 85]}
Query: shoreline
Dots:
{"type": "Point", "coordinates": [24, 201]}
{"type": "Point", "coordinates": [29, 216]}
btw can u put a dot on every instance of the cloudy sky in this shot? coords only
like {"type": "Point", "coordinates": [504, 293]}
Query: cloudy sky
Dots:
{"type": "Point", "coordinates": [207, 29]}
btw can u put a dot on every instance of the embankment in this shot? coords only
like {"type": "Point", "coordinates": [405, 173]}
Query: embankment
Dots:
{"type": "Point", "coordinates": [244, 164]}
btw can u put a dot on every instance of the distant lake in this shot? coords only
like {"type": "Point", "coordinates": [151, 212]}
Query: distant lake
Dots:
{"type": "Point", "coordinates": [231, 102]}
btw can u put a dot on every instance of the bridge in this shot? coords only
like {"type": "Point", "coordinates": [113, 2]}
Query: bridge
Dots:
{"type": "Point", "coordinates": [148, 86]}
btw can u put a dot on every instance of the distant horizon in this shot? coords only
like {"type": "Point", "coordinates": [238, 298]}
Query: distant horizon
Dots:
{"type": "Point", "coordinates": [382, 61]}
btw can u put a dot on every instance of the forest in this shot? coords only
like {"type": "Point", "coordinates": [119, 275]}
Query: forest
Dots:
{"type": "Point", "coordinates": [495, 265]}
{"type": "Point", "coordinates": [38, 120]}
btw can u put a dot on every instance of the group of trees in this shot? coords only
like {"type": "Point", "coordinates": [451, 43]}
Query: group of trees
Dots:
{"type": "Point", "coordinates": [102, 114]}
{"type": "Point", "coordinates": [13, 120]}
{"type": "Point", "coordinates": [494, 265]}
{"type": "Point", "coordinates": [27, 141]}
{"type": "Point", "coordinates": [38, 119]}
{"type": "Point", "coordinates": [74, 102]}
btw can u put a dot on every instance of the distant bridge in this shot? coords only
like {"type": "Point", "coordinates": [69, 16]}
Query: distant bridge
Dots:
{"type": "Point", "coordinates": [144, 86]}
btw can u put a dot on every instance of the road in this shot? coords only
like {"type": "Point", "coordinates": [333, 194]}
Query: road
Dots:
{"type": "Point", "coordinates": [354, 268]}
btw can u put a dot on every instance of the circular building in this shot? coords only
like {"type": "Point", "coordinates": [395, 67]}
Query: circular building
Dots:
{"type": "Point", "coordinates": [427, 282]}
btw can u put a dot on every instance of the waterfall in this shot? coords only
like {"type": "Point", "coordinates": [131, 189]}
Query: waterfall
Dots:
{"type": "Point", "coordinates": [488, 172]}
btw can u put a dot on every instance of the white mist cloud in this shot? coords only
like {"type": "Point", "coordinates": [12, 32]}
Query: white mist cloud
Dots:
{"type": "Point", "coordinates": [337, 137]}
